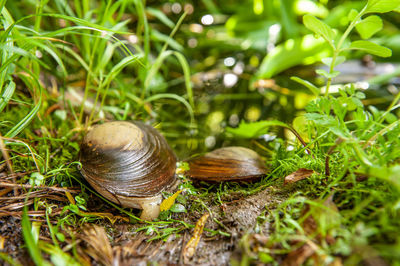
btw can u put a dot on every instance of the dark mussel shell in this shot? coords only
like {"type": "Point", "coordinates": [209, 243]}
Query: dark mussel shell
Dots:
{"type": "Point", "coordinates": [227, 164]}
{"type": "Point", "coordinates": [127, 159]}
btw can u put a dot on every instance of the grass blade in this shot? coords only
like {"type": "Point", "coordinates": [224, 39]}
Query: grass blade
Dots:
{"type": "Point", "coordinates": [186, 72]}
{"type": "Point", "coordinates": [29, 238]}
{"type": "Point", "coordinates": [2, 3]}
{"type": "Point", "coordinates": [173, 96]}
{"type": "Point", "coordinates": [7, 258]}
{"type": "Point", "coordinates": [118, 67]}
{"type": "Point", "coordinates": [26, 120]}
{"type": "Point", "coordinates": [161, 16]}
{"type": "Point", "coordinates": [307, 84]}
{"type": "Point", "coordinates": [7, 94]}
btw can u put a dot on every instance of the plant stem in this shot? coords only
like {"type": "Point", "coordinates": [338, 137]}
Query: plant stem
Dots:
{"type": "Point", "coordinates": [89, 77]}
{"type": "Point", "coordinates": [331, 69]}
{"type": "Point", "coordinates": [160, 56]}
{"type": "Point", "coordinates": [337, 50]}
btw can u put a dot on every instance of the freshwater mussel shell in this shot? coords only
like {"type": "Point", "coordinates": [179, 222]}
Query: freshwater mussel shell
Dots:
{"type": "Point", "coordinates": [127, 159]}
{"type": "Point", "coordinates": [227, 164]}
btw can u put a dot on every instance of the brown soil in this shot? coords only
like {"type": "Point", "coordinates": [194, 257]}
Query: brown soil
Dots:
{"type": "Point", "coordinates": [124, 245]}
{"type": "Point", "coordinates": [10, 230]}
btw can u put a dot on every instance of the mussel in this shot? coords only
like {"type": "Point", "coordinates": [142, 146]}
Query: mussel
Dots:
{"type": "Point", "coordinates": [227, 164]}
{"type": "Point", "coordinates": [131, 163]}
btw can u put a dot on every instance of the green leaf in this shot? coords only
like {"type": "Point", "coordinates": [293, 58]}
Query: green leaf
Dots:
{"type": "Point", "coordinates": [36, 179]}
{"type": "Point", "coordinates": [320, 119]}
{"type": "Point", "coordinates": [61, 114]}
{"type": "Point", "coordinates": [371, 48]}
{"type": "Point", "coordinates": [360, 95]}
{"type": "Point", "coordinates": [306, 50]}
{"type": "Point", "coordinates": [326, 74]}
{"type": "Point", "coordinates": [347, 103]}
{"type": "Point", "coordinates": [328, 60]}
{"type": "Point", "coordinates": [177, 207]}
{"type": "Point", "coordinates": [60, 236]}
{"type": "Point", "coordinates": [254, 129]}
{"type": "Point", "coordinates": [369, 26]}
{"type": "Point", "coordinates": [357, 102]}
{"type": "Point", "coordinates": [319, 28]}
{"type": "Point", "coordinates": [339, 131]}
{"type": "Point", "coordinates": [307, 84]}
{"type": "Point", "coordinates": [353, 14]}
{"type": "Point", "coordinates": [265, 257]}
{"type": "Point", "coordinates": [381, 6]}
{"type": "Point", "coordinates": [390, 118]}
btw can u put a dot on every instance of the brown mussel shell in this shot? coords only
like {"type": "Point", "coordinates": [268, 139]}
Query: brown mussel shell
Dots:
{"type": "Point", "coordinates": [227, 164]}
{"type": "Point", "coordinates": [124, 160]}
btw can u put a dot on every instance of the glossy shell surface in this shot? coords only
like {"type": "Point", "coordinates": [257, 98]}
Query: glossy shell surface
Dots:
{"type": "Point", "coordinates": [227, 164]}
{"type": "Point", "coordinates": [125, 161]}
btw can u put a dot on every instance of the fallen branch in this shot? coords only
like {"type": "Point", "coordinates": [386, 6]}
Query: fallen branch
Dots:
{"type": "Point", "coordinates": [7, 160]}
{"type": "Point", "coordinates": [18, 214]}
{"type": "Point", "coordinates": [54, 188]}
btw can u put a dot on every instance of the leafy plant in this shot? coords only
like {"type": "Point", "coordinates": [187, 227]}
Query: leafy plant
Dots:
{"type": "Point", "coordinates": [348, 104]}
{"type": "Point", "coordinates": [366, 27]}
{"type": "Point", "coordinates": [348, 142]}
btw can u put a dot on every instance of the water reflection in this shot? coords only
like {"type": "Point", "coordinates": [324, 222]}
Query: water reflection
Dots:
{"type": "Point", "coordinates": [207, 19]}
{"type": "Point", "coordinates": [192, 42]}
{"type": "Point", "coordinates": [176, 8]}
{"type": "Point", "coordinates": [229, 61]}
{"type": "Point", "coordinates": [230, 80]}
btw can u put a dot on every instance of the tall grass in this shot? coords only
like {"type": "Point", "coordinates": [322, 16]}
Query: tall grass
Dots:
{"type": "Point", "coordinates": [54, 50]}
{"type": "Point", "coordinates": [84, 43]}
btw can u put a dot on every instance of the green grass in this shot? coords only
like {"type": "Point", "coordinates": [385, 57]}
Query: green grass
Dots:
{"type": "Point", "coordinates": [67, 66]}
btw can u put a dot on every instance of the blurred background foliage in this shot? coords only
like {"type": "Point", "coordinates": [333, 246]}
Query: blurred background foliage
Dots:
{"type": "Point", "coordinates": [236, 57]}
